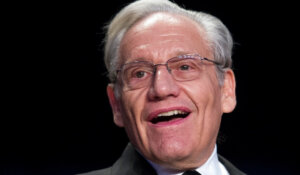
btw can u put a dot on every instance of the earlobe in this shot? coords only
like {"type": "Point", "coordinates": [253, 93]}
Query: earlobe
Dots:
{"type": "Point", "coordinates": [115, 105]}
{"type": "Point", "coordinates": [228, 89]}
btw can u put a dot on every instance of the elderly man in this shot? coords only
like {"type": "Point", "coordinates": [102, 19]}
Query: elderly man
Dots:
{"type": "Point", "coordinates": [170, 84]}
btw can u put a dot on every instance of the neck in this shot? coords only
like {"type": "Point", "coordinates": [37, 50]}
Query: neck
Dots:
{"type": "Point", "coordinates": [162, 170]}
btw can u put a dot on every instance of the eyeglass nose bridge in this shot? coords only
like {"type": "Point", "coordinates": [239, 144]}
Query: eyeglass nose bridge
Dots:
{"type": "Point", "coordinates": [162, 64]}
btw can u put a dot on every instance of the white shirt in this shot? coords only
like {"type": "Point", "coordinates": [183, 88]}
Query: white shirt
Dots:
{"type": "Point", "coordinates": [211, 167]}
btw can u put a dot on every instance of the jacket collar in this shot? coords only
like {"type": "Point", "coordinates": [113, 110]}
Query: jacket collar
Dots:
{"type": "Point", "coordinates": [132, 163]}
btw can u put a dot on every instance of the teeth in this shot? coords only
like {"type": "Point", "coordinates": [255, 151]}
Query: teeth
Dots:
{"type": "Point", "coordinates": [170, 113]}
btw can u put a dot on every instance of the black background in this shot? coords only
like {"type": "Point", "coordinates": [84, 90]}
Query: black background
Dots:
{"type": "Point", "coordinates": [57, 119]}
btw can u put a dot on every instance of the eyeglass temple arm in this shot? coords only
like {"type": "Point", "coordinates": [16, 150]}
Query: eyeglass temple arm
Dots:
{"type": "Point", "coordinates": [212, 61]}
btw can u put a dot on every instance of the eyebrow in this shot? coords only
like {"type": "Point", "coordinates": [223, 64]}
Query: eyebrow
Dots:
{"type": "Point", "coordinates": [182, 53]}
{"type": "Point", "coordinates": [178, 53]}
{"type": "Point", "coordinates": [136, 59]}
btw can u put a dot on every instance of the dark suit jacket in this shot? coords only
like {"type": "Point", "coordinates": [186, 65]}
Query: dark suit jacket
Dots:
{"type": "Point", "coordinates": [132, 163]}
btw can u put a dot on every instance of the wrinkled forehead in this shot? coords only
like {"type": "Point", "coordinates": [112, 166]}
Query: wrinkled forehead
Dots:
{"type": "Point", "coordinates": [164, 18]}
{"type": "Point", "coordinates": [161, 29]}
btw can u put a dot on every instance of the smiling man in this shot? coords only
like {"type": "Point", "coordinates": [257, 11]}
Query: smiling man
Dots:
{"type": "Point", "coordinates": [171, 82]}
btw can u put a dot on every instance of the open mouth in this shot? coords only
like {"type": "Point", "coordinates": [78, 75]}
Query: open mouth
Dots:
{"type": "Point", "coordinates": [168, 116]}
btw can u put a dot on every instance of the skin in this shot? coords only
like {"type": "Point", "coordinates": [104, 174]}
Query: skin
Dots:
{"type": "Point", "coordinates": [189, 142]}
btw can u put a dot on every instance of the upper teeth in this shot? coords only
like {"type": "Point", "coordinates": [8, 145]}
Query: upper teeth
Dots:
{"type": "Point", "coordinates": [170, 113]}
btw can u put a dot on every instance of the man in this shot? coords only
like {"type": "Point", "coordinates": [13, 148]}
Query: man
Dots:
{"type": "Point", "coordinates": [170, 84]}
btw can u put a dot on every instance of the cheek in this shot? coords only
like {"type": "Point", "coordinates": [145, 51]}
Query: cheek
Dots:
{"type": "Point", "coordinates": [206, 97]}
{"type": "Point", "coordinates": [205, 94]}
{"type": "Point", "coordinates": [133, 104]}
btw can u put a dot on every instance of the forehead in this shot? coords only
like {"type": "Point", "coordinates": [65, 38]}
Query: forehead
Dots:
{"type": "Point", "coordinates": [163, 35]}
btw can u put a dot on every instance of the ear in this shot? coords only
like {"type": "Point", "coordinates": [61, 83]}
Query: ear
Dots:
{"type": "Point", "coordinates": [228, 92]}
{"type": "Point", "coordinates": [115, 105]}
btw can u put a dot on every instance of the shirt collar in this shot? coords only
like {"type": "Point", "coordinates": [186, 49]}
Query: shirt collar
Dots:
{"type": "Point", "coordinates": [211, 166]}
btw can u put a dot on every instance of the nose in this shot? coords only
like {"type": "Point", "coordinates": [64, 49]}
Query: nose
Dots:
{"type": "Point", "coordinates": [163, 85]}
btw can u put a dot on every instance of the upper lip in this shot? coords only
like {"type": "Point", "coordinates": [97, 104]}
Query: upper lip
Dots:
{"type": "Point", "coordinates": [167, 111]}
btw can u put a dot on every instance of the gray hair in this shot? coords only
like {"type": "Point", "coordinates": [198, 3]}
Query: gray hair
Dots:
{"type": "Point", "coordinates": [218, 36]}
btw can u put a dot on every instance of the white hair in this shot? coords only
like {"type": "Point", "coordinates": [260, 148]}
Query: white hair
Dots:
{"type": "Point", "coordinates": [217, 34]}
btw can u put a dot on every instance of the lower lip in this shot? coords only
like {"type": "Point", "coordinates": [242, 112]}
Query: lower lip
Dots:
{"type": "Point", "coordinates": [176, 121]}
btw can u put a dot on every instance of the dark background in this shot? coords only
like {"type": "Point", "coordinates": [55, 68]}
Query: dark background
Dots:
{"type": "Point", "coordinates": [57, 119]}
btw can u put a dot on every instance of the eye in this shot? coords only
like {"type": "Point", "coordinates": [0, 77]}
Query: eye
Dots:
{"type": "Point", "coordinates": [140, 74]}
{"type": "Point", "coordinates": [184, 67]}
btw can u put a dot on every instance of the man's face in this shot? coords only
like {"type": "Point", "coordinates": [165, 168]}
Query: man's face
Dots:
{"type": "Point", "coordinates": [185, 141]}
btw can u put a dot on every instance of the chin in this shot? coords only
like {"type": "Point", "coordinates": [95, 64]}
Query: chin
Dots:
{"type": "Point", "coordinates": [171, 154]}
